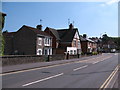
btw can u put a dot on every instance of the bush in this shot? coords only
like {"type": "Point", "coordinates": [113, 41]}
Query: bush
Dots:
{"type": "Point", "coordinates": [94, 53]}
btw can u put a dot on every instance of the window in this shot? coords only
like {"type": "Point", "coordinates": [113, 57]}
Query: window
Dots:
{"type": "Point", "coordinates": [39, 52]}
{"type": "Point", "coordinates": [45, 40]}
{"type": "Point", "coordinates": [75, 52]}
{"type": "Point", "coordinates": [78, 43]}
{"type": "Point", "coordinates": [74, 43]}
{"type": "Point", "coordinates": [39, 41]}
{"type": "Point", "coordinates": [71, 51]}
{"type": "Point", "coordinates": [48, 41]}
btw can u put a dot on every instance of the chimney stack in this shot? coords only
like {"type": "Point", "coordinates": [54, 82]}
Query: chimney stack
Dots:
{"type": "Point", "coordinates": [84, 35]}
{"type": "Point", "coordinates": [71, 26]}
{"type": "Point", "coordinates": [39, 27]}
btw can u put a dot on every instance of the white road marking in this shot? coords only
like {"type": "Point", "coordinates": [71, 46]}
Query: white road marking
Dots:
{"type": "Point", "coordinates": [80, 68]}
{"type": "Point", "coordinates": [42, 80]}
{"type": "Point", "coordinates": [84, 61]}
{"type": "Point", "coordinates": [95, 62]}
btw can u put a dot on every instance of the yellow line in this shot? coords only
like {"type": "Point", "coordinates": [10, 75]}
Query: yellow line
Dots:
{"type": "Point", "coordinates": [49, 66]}
{"type": "Point", "coordinates": [31, 69]}
{"type": "Point", "coordinates": [111, 78]}
{"type": "Point", "coordinates": [107, 80]}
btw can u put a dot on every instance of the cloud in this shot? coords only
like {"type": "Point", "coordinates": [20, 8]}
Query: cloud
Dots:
{"type": "Point", "coordinates": [110, 2]}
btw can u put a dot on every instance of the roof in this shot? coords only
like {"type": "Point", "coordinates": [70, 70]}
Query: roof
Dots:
{"type": "Point", "coordinates": [64, 35]}
{"type": "Point", "coordinates": [37, 31]}
{"type": "Point", "coordinates": [55, 32]}
{"type": "Point", "coordinates": [85, 39]}
{"type": "Point", "coordinates": [8, 34]}
{"type": "Point", "coordinates": [67, 35]}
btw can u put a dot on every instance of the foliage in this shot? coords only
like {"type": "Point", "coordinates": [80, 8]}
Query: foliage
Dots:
{"type": "Point", "coordinates": [94, 53]}
{"type": "Point", "coordinates": [105, 39]}
{"type": "Point", "coordinates": [1, 44]}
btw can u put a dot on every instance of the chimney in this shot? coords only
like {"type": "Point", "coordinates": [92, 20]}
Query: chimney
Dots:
{"type": "Point", "coordinates": [39, 27]}
{"type": "Point", "coordinates": [71, 26]}
{"type": "Point", "coordinates": [84, 35]}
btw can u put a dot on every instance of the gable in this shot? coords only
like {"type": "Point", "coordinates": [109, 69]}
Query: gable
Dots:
{"type": "Point", "coordinates": [76, 36]}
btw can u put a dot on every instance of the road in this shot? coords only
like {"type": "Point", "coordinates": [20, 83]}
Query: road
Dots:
{"type": "Point", "coordinates": [92, 72]}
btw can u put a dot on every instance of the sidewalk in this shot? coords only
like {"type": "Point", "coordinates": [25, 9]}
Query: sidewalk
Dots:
{"type": "Point", "coordinates": [20, 67]}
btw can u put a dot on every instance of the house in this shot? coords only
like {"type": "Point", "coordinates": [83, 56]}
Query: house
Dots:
{"type": "Point", "coordinates": [29, 41]}
{"type": "Point", "coordinates": [88, 45]}
{"type": "Point", "coordinates": [109, 46]}
{"type": "Point", "coordinates": [98, 41]}
{"type": "Point", "coordinates": [65, 40]}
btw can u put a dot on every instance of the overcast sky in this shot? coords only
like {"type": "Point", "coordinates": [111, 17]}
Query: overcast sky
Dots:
{"type": "Point", "coordinates": [92, 18]}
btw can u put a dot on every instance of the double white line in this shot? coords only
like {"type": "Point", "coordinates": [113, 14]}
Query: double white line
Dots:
{"type": "Point", "coordinates": [108, 80]}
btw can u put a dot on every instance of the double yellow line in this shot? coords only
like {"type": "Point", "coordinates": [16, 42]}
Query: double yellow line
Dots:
{"type": "Point", "coordinates": [108, 80]}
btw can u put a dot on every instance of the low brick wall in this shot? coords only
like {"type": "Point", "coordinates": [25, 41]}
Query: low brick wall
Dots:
{"type": "Point", "coordinates": [22, 59]}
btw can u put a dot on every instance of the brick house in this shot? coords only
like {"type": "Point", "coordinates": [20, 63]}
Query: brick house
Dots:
{"type": "Point", "coordinates": [29, 41]}
{"type": "Point", "coordinates": [65, 40]}
{"type": "Point", "coordinates": [98, 41]}
{"type": "Point", "coordinates": [87, 45]}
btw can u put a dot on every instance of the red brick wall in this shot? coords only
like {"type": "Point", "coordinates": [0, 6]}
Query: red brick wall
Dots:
{"type": "Point", "coordinates": [84, 47]}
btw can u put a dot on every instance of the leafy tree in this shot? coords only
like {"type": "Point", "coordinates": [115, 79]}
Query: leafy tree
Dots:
{"type": "Point", "coordinates": [105, 39]}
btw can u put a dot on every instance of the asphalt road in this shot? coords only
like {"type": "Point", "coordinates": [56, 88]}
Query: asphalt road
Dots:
{"type": "Point", "coordinates": [89, 73]}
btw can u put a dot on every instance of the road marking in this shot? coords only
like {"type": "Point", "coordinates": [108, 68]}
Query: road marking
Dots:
{"type": "Point", "coordinates": [95, 62]}
{"type": "Point", "coordinates": [38, 68]}
{"type": "Point", "coordinates": [80, 68]}
{"type": "Point", "coordinates": [116, 70]}
{"type": "Point", "coordinates": [105, 84]}
{"type": "Point", "coordinates": [42, 80]}
{"type": "Point", "coordinates": [34, 69]}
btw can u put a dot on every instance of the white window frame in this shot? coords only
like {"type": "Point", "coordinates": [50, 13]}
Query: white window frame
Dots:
{"type": "Point", "coordinates": [38, 51]}
{"type": "Point", "coordinates": [39, 41]}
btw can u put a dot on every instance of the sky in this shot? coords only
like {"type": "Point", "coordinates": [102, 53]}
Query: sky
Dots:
{"type": "Point", "coordinates": [91, 18]}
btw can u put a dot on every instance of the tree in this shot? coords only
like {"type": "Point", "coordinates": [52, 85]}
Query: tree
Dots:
{"type": "Point", "coordinates": [105, 39]}
{"type": "Point", "coordinates": [2, 21]}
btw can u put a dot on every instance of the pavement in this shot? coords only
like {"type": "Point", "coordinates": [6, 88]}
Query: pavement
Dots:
{"type": "Point", "coordinates": [91, 72]}
{"type": "Point", "coordinates": [19, 67]}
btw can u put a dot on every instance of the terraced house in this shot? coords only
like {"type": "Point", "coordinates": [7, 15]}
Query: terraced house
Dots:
{"type": "Point", "coordinates": [28, 41]}
{"type": "Point", "coordinates": [88, 45]}
{"type": "Point", "coordinates": [65, 40]}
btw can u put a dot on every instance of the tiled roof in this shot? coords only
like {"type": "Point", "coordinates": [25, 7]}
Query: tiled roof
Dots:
{"type": "Point", "coordinates": [64, 35]}
{"type": "Point", "coordinates": [67, 35]}
{"type": "Point", "coordinates": [85, 39]}
{"type": "Point", "coordinates": [8, 34]}
{"type": "Point", "coordinates": [55, 32]}
{"type": "Point", "coordinates": [37, 31]}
